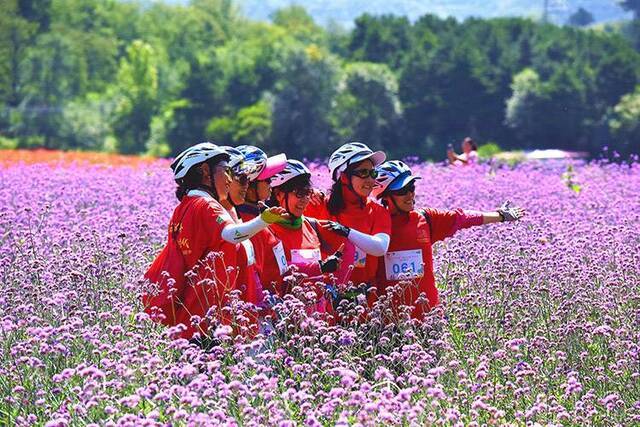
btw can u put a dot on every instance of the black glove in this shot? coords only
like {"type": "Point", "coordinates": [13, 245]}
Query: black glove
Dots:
{"type": "Point", "coordinates": [330, 264]}
{"type": "Point", "coordinates": [337, 228]}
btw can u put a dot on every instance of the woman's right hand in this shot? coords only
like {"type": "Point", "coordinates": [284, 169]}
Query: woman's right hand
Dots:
{"type": "Point", "coordinates": [335, 227]}
{"type": "Point", "coordinates": [274, 214]}
{"type": "Point", "coordinates": [317, 196]}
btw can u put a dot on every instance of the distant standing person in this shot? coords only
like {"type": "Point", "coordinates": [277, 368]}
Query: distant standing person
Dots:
{"type": "Point", "coordinates": [469, 154]}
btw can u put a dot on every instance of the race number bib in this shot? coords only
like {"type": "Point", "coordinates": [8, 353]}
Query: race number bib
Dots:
{"type": "Point", "coordinates": [281, 259]}
{"type": "Point", "coordinates": [401, 265]}
{"type": "Point", "coordinates": [251, 253]}
{"type": "Point", "coordinates": [305, 256]}
{"type": "Point", "coordinates": [360, 258]}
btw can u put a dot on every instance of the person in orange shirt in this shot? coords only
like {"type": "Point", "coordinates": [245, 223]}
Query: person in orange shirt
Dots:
{"type": "Point", "coordinates": [409, 261]}
{"type": "Point", "coordinates": [352, 216]}
{"type": "Point", "coordinates": [298, 240]}
{"type": "Point", "coordinates": [196, 269]}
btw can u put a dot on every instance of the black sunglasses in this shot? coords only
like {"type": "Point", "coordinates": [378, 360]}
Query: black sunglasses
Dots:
{"type": "Point", "coordinates": [226, 169]}
{"type": "Point", "coordinates": [241, 178]}
{"type": "Point", "coordinates": [365, 173]}
{"type": "Point", "coordinates": [301, 193]}
{"type": "Point", "coordinates": [411, 188]}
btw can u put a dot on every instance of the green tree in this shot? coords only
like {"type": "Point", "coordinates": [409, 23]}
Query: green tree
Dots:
{"type": "Point", "coordinates": [625, 123]}
{"type": "Point", "coordinates": [52, 74]}
{"type": "Point", "coordinates": [251, 125]}
{"type": "Point", "coordinates": [581, 18]}
{"type": "Point", "coordinates": [16, 35]}
{"type": "Point", "coordinates": [83, 124]}
{"type": "Point", "coordinates": [380, 39]}
{"type": "Point", "coordinates": [303, 98]}
{"type": "Point", "coordinates": [367, 106]}
{"type": "Point", "coordinates": [136, 92]}
{"type": "Point", "coordinates": [522, 112]}
{"type": "Point", "coordinates": [549, 113]}
{"type": "Point", "coordinates": [631, 6]}
{"type": "Point", "coordinates": [299, 24]}
{"type": "Point", "coordinates": [36, 11]}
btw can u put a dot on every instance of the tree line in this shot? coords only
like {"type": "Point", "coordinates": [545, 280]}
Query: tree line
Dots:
{"type": "Point", "coordinates": [154, 78]}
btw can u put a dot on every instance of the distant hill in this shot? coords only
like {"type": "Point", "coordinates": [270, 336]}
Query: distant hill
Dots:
{"type": "Point", "coordinates": [345, 11]}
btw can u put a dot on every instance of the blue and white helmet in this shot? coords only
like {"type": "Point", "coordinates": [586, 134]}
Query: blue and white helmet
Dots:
{"type": "Point", "coordinates": [236, 159]}
{"type": "Point", "coordinates": [351, 153]}
{"type": "Point", "coordinates": [258, 166]}
{"type": "Point", "coordinates": [194, 155]}
{"type": "Point", "coordinates": [293, 169]}
{"type": "Point", "coordinates": [255, 160]}
{"type": "Point", "coordinates": [392, 175]}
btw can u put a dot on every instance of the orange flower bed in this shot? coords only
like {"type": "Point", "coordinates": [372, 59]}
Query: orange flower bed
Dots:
{"type": "Point", "coordinates": [64, 157]}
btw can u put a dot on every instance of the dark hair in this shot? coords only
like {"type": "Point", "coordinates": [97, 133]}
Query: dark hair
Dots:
{"type": "Point", "coordinates": [472, 142]}
{"type": "Point", "coordinates": [300, 181]}
{"type": "Point", "coordinates": [193, 179]}
{"type": "Point", "coordinates": [336, 203]}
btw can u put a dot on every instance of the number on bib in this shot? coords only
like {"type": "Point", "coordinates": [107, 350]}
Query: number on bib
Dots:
{"type": "Point", "coordinates": [401, 265]}
{"type": "Point", "coordinates": [281, 259]}
{"type": "Point", "coordinates": [360, 258]}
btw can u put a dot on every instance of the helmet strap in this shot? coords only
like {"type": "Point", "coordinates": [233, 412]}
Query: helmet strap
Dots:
{"type": "Point", "coordinates": [286, 204]}
{"type": "Point", "coordinates": [400, 211]}
{"type": "Point", "coordinates": [349, 185]}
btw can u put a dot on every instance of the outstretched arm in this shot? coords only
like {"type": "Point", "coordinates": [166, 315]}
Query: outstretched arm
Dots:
{"type": "Point", "coordinates": [447, 223]}
{"type": "Point", "coordinates": [236, 233]}
{"type": "Point", "coordinates": [376, 244]}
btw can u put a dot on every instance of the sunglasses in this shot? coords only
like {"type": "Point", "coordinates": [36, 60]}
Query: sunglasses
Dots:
{"type": "Point", "coordinates": [226, 169]}
{"type": "Point", "coordinates": [302, 193]}
{"type": "Point", "coordinates": [365, 173]}
{"type": "Point", "coordinates": [411, 188]}
{"type": "Point", "coordinates": [241, 178]}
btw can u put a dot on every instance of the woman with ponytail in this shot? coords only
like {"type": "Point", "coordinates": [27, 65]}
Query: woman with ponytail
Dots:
{"type": "Point", "coordinates": [197, 268]}
{"type": "Point", "coordinates": [351, 215]}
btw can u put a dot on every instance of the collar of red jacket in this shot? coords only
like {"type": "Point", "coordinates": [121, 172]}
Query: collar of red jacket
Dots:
{"type": "Point", "coordinates": [351, 199]}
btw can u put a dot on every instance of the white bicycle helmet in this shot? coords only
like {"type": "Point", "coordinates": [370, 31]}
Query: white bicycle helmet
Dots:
{"type": "Point", "coordinates": [236, 159]}
{"type": "Point", "coordinates": [392, 175]}
{"type": "Point", "coordinates": [351, 153]}
{"type": "Point", "coordinates": [294, 168]}
{"type": "Point", "coordinates": [194, 155]}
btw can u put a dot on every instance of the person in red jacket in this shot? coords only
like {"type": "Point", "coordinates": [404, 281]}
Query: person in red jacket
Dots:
{"type": "Point", "coordinates": [352, 216]}
{"type": "Point", "coordinates": [409, 260]}
{"type": "Point", "coordinates": [197, 268]}
{"type": "Point", "coordinates": [298, 240]}
{"type": "Point", "coordinates": [250, 164]}
{"type": "Point", "coordinates": [260, 168]}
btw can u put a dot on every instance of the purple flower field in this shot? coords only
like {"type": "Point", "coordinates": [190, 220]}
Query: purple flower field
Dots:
{"type": "Point", "coordinates": [540, 320]}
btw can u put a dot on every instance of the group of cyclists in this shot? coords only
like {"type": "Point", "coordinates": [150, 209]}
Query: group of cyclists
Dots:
{"type": "Point", "coordinates": [247, 222]}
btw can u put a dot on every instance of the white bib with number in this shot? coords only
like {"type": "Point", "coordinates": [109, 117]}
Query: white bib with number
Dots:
{"type": "Point", "coordinates": [251, 253]}
{"type": "Point", "coordinates": [401, 265]}
{"type": "Point", "coordinates": [360, 258]}
{"type": "Point", "coordinates": [305, 256]}
{"type": "Point", "coordinates": [281, 259]}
